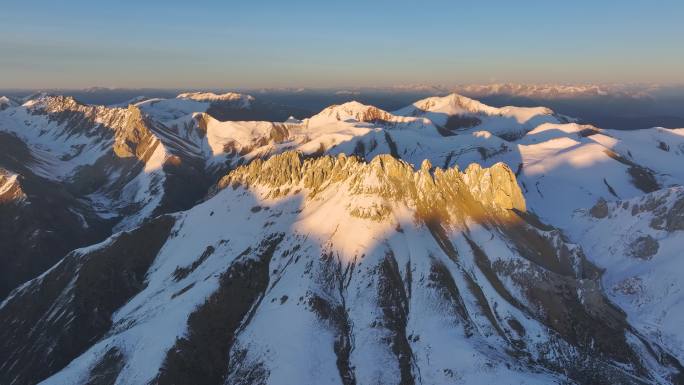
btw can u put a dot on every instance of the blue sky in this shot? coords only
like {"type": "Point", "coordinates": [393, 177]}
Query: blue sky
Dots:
{"type": "Point", "coordinates": [259, 43]}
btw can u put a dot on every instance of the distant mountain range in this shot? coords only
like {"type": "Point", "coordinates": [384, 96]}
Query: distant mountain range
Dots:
{"type": "Point", "coordinates": [204, 238]}
{"type": "Point", "coordinates": [614, 106]}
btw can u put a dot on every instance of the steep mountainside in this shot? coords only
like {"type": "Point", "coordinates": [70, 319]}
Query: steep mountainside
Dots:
{"type": "Point", "coordinates": [83, 169]}
{"type": "Point", "coordinates": [389, 275]}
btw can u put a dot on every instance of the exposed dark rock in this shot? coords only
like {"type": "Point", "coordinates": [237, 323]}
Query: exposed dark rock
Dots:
{"type": "Point", "coordinates": [332, 310]}
{"type": "Point", "coordinates": [600, 209]}
{"type": "Point", "coordinates": [182, 272]}
{"type": "Point", "coordinates": [644, 247]}
{"type": "Point", "coordinates": [441, 279]}
{"type": "Point", "coordinates": [107, 369]}
{"type": "Point", "coordinates": [457, 122]}
{"type": "Point", "coordinates": [392, 146]}
{"type": "Point", "coordinates": [393, 303]}
{"type": "Point", "coordinates": [642, 177]}
{"type": "Point", "coordinates": [663, 146]}
{"type": "Point", "coordinates": [80, 293]}
{"type": "Point", "coordinates": [675, 216]}
{"type": "Point", "coordinates": [201, 357]}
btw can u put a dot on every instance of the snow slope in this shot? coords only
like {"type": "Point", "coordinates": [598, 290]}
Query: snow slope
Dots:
{"type": "Point", "coordinates": [511, 121]}
{"type": "Point", "coordinates": [639, 243]}
{"type": "Point", "coordinates": [330, 271]}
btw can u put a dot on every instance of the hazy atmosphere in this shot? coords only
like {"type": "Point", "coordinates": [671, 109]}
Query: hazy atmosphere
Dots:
{"type": "Point", "coordinates": [178, 44]}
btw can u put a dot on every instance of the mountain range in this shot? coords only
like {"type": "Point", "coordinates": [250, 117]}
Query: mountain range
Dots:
{"type": "Point", "coordinates": [213, 239]}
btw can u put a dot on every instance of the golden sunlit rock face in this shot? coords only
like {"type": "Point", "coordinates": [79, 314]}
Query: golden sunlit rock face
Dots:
{"type": "Point", "coordinates": [448, 196]}
{"type": "Point", "coordinates": [10, 189]}
{"type": "Point", "coordinates": [131, 133]}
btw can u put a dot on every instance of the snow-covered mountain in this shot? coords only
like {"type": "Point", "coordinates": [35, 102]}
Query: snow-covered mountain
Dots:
{"type": "Point", "coordinates": [455, 112]}
{"type": "Point", "coordinates": [85, 170]}
{"type": "Point", "coordinates": [445, 242]}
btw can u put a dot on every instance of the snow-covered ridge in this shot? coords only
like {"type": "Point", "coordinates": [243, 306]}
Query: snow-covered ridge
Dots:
{"type": "Point", "coordinates": [355, 112]}
{"type": "Point", "coordinates": [455, 104]}
{"type": "Point", "coordinates": [451, 104]}
{"type": "Point", "coordinates": [460, 112]}
{"type": "Point", "coordinates": [179, 110]}
{"type": "Point", "coordinates": [242, 99]}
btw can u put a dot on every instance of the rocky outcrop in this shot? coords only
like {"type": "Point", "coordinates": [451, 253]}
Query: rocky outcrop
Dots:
{"type": "Point", "coordinates": [644, 247]}
{"type": "Point", "coordinates": [495, 185]}
{"type": "Point", "coordinates": [135, 139]}
{"type": "Point", "coordinates": [10, 189]}
{"type": "Point", "coordinates": [435, 193]}
{"type": "Point", "coordinates": [600, 209]}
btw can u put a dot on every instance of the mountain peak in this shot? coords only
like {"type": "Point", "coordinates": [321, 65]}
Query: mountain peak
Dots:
{"type": "Point", "coordinates": [353, 110]}
{"type": "Point", "coordinates": [452, 104]}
